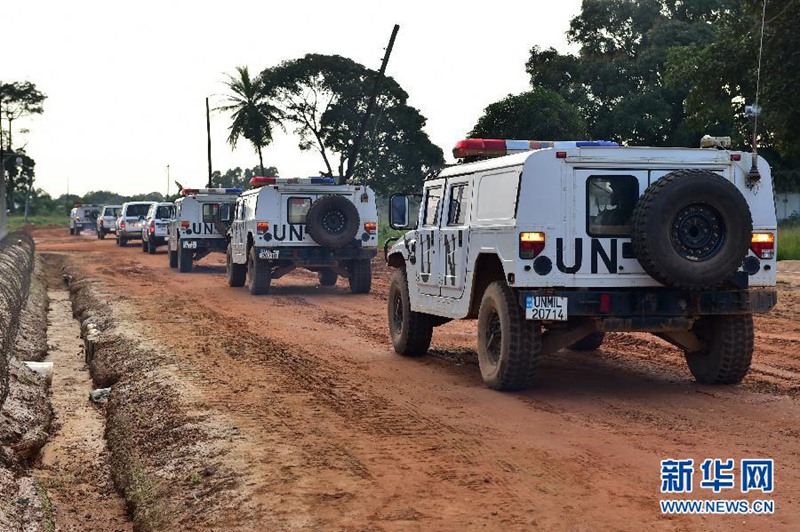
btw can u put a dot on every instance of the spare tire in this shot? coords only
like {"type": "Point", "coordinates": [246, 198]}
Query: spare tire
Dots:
{"type": "Point", "coordinates": [332, 221]}
{"type": "Point", "coordinates": [691, 229]}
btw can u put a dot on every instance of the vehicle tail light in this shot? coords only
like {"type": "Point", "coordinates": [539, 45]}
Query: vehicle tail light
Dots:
{"type": "Point", "coordinates": [531, 244]}
{"type": "Point", "coordinates": [736, 156]}
{"type": "Point", "coordinates": [152, 226]}
{"type": "Point", "coordinates": [102, 223]}
{"type": "Point", "coordinates": [262, 227]}
{"type": "Point", "coordinates": [763, 245]}
{"type": "Point", "coordinates": [184, 224]}
{"type": "Point", "coordinates": [122, 224]}
{"type": "Point", "coordinates": [370, 227]}
{"type": "Point", "coordinates": [561, 155]}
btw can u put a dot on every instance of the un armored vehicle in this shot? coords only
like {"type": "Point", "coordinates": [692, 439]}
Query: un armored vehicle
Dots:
{"type": "Point", "coordinates": [551, 245]}
{"type": "Point", "coordinates": [83, 216]}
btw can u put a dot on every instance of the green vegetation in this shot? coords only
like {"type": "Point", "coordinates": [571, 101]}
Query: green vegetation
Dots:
{"type": "Point", "coordinates": [16, 221]}
{"type": "Point", "coordinates": [789, 243]}
{"type": "Point", "coordinates": [385, 232]}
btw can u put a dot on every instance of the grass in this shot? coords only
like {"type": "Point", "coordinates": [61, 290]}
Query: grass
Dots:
{"type": "Point", "coordinates": [789, 243]}
{"type": "Point", "coordinates": [15, 221]}
{"type": "Point", "coordinates": [385, 232]}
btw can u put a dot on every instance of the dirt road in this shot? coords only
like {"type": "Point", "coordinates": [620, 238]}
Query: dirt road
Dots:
{"type": "Point", "coordinates": [335, 430]}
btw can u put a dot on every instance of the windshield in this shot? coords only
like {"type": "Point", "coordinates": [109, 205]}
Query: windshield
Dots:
{"type": "Point", "coordinates": [165, 211]}
{"type": "Point", "coordinates": [134, 211]}
{"type": "Point", "coordinates": [112, 211]}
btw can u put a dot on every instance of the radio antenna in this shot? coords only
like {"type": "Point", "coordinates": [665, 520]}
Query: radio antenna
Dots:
{"type": "Point", "coordinates": [753, 175]}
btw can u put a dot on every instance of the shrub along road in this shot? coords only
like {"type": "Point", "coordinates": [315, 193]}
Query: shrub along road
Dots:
{"type": "Point", "coordinates": [332, 429]}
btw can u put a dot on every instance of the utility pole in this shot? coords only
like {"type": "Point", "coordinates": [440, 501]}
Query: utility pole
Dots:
{"type": "Point", "coordinates": [167, 182]}
{"type": "Point", "coordinates": [352, 156]}
{"type": "Point", "coordinates": [3, 213]}
{"type": "Point", "coordinates": [208, 134]}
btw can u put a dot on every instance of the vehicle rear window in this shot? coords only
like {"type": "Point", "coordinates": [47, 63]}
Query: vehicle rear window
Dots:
{"type": "Point", "coordinates": [164, 211]}
{"type": "Point", "coordinates": [611, 200]}
{"type": "Point", "coordinates": [210, 211]}
{"type": "Point", "coordinates": [137, 210]}
{"type": "Point", "coordinates": [298, 209]}
{"type": "Point", "coordinates": [112, 212]}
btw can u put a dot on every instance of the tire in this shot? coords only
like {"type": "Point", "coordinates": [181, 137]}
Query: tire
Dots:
{"type": "Point", "coordinates": [727, 358]}
{"type": "Point", "coordinates": [259, 274]}
{"type": "Point", "coordinates": [332, 221]}
{"type": "Point", "coordinates": [327, 277]}
{"type": "Point", "coordinates": [122, 241]}
{"type": "Point", "coordinates": [144, 246]}
{"type": "Point", "coordinates": [237, 273]}
{"type": "Point", "coordinates": [71, 230]}
{"type": "Point", "coordinates": [77, 231]}
{"type": "Point", "coordinates": [691, 230]}
{"type": "Point", "coordinates": [507, 362]}
{"type": "Point", "coordinates": [101, 235]}
{"type": "Point", "coordinates": [589, 343]}
{"type": "Point", "coordinates": [151, 247]}
{"type": "Point", "coordinates": [184, 259]}
{"type": "Point", "coordinates": [361, 276]}
{"type": "Point", "coordinates": [409, 331]}
{"type": "Point", "coordinates": [173, 258]}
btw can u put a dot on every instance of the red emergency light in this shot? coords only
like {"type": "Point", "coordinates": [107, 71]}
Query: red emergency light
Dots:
{"type": "Point", "coordinates": [261, 181]}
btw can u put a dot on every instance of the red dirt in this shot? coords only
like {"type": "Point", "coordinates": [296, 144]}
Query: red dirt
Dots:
{"type": "Point", "coordinates": [334, 430]}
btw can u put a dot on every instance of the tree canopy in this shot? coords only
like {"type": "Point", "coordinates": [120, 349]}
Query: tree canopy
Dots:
{"type": "Point", "coordinates": [238, 178]}
{"type": "Point", "coordinates": [324, 98]}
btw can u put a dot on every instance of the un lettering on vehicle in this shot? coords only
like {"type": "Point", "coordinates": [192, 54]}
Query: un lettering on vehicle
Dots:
{"type": "Point", "coordinates": [290, 233]}
{"type": "Point", "coordinates": [602, 256]}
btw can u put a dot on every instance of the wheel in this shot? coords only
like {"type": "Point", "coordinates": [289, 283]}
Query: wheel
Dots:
{"type": "Point", "coordinates": [184, 259]}
{"type": "Point", "coordinates": [729, 351]}
{"type": "Point", "coordinates": [151, 247]}
{"type": "Point", "coordinates": [332, 221]}
{"type": "Point", "coordinates": [71, 230]}
{"type": "Point", "coordinates": [327, 277]}
{"type": "Point", "coordinates": [589, 343]}
{"type": "Point", "coordinates": [410, 331]}
{"type": "Point", "coordinates": [259, 274]}
{"type": "Point", "coordinates": [101, 235]}
{"type": "Point", "coordinates": [360, 276]}
{"type": "Point", "coordinates": [509, 347]}
{"type": "Point", "coordinates": [144, 246]}
{"type": "Point", "coordinates": [237, 273]}
{"type": "Point", "coordinates": [77, 230]}
{"type": "Point", "coordinates": [691, 229]}
{"type": "Point", "coordinates": [123, 241]}
{"type": "Point", "coordinates": [173, 258]}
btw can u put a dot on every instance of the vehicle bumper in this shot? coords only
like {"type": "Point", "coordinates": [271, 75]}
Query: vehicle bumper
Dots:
{"type": "Point", "coordinates": [655, 304]}
{"type": "Point", "coordinates": [315, 255]}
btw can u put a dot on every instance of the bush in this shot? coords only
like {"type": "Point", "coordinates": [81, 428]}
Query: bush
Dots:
{"type": "Point", "coordinates": [789, 242]}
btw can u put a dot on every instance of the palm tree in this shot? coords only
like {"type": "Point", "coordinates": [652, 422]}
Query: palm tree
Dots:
{"type": "Point", "coordinates": [253, 117]}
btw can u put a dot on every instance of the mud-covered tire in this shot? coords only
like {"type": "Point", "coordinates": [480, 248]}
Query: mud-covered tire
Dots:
{"type": "Point", "coordinates": [360, 276]}
{"type": "Point", "coordinates": [589, 343]}
{"type": "Point", "coordinates": [236, 273]}
{"type": "Point", "coordinates": [410, 332]}
{"type": "Point", "coordinates": [172, 256]}
{"type": "Point", "coordinates": [327, 277]}
{"type": "Point", "coordinates": [184, 259]}
{"type": "Point", "coordinates": [332, 221]}
{"type": "Point", "coordinates": [259, 274]}
{"type": "Point", "coordinates": [691, 229]}
{"type": "Point", "coordinates": [726, 360]}
{"type": "Point", "coordinates": [509, 346]}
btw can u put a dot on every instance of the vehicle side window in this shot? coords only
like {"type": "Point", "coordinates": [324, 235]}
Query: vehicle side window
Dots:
{"type": "Point", "coordinates": [298, 209]}
{"type": "Point", "coordinates": [431, 213]}
{"type": "Point", "coordinates": [459, 204]}
{"type": "Point", "coordinates": [610, 203]}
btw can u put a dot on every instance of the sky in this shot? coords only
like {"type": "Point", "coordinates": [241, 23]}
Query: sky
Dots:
{"type": "Point", "coordinates": [126, 81]}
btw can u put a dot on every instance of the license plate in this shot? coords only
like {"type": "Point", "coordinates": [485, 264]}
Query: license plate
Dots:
{"type": "Point", "coordinates": [268, 254]}
{"type": "Point", "coordinates": [189, 244]}
{"type": "Point", "coordinates": [546, 308]}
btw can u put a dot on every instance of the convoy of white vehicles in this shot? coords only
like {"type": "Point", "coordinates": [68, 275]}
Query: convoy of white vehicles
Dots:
{"type": "Point", "coordinates": [82, 217]}
{"type": "Point", "coordinates": [548, 245]}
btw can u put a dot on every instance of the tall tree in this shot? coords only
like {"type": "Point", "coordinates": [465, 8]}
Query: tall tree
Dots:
{"type": "Point", "coordinates": [252, 116]}
{"type": "Point", "coordinates": [540, 114]}
{"type": "Point", "coordinates": [617, 78]}
{"type": "Point", "coordinates": [325, 98]}
{"type": "Point", "coordinates": [18, 99]}
{"type": "Point", "coordinates": [238, 178]}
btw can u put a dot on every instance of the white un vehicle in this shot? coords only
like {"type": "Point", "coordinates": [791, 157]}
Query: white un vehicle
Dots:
{"type": "Point", "coordinates": [285, 223]}
{"type": "Point", "coordinates": [551, 245]}
{"type": "Point", "coordinates": [193, 232]}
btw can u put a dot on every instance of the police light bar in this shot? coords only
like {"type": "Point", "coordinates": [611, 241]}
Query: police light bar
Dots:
{"type": "Point", "coordinates": [499, 147]}
{"type": "Point", "coordinates": [261, 181]}
{"type": "Point", "coordinates": [193, 191]}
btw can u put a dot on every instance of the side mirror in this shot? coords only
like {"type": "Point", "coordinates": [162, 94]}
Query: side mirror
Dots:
{"type": "Point", "coordinates": [398, 211]}
{"type": "Point", "coordinates": [225, 213]}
